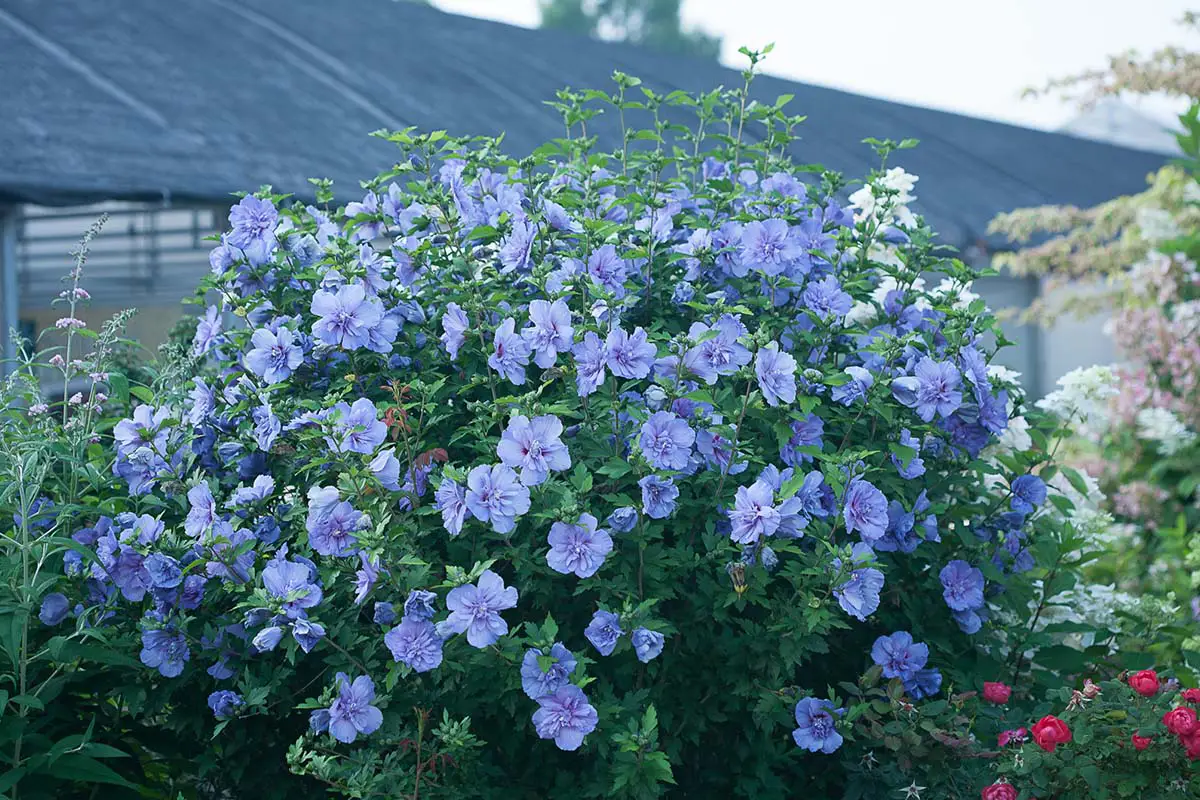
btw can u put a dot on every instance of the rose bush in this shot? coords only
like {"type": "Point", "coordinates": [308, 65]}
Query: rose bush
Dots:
{"type": "Point", "coordinates": [587, 473]}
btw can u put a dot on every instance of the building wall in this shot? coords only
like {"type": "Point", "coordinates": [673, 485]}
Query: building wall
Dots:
{"type": "Point", "coordinates": [149, 326]}
{"type": "Point", "coordinates": [1009, 295]}
{"type": "Point", "coordinates": [1073, 343]}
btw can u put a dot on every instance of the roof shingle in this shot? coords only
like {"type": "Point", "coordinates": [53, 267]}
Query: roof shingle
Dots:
{"type": "Point", "coordinates": [195, 99]}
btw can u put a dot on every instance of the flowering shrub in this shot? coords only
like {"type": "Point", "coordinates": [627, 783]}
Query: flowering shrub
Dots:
{"type": "Point", "coordinates": [1136, 443]}
{"type": "Point", "coordinates": [1137, 447]}
{"type": "Point", "coordinates": [572, 472]}
{"type": "Point", "coordinates": [1131, 738]}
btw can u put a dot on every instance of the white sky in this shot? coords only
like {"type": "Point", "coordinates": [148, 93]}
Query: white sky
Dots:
{"type": "Point", "coordinates": [968, 56]}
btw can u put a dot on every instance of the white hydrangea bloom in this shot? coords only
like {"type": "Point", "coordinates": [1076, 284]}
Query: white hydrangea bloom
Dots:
{"type": "Point", "coordinates": [1084, 394]}
{"type": "Point", "coordinates": [1157, 224]}
{"type": "Point", "coordinates": [1191, 192]}
{"type": "Point", "coordinates": [1015, 438]}
{"type": "Point", "coordinates": [959, 293]}
{"type": "Point", "coordinates": [1002, 374]}
{"type": "Point", "coordinates": [1161, 426]}
{"type": "Point", "coordinates": [1005, 378]}
{"type": "Point", "coordinates": [1097, 605]}
{"type": "Point", "coordinates": [1092, 500]}
{"type": "Point", "coordinates": [1088, 516]}
{"type": "Point", "coordinates": [861, 313]}
{"type": "Point", "coordinates": [994, 483]}
{"type": "Point", "coordinates": [1187, 315]}
{"type": "Point", "coordinates": [904, 217]}
{"type": "Point", "coordinates": [863, 202]}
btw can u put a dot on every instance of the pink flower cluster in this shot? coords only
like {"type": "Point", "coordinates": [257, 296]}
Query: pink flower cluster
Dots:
{"type": "Point", "coordinates": [1168, 354]}
{"type": "Point", "coordinates": [1140, 500]}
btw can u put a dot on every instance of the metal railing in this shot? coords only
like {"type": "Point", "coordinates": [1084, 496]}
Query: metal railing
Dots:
{"type": "Point", "coordinates": [148, 254]}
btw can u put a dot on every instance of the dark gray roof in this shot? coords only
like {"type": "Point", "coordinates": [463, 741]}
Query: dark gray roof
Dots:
{"type": "Point", "coordinates": [194, 99]}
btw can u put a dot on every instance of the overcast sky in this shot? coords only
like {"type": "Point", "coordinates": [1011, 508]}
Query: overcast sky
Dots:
{"type": "Point", "coordinates": [966, 56]}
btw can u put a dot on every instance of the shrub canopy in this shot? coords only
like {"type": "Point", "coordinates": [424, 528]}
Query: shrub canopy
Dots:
{"type": "Point", "coordinates": [585, 473]}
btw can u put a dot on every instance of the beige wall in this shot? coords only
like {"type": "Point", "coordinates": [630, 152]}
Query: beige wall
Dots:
{"type": "Point", "coordinates": [1073, 342]}
{"type": "Point", "coordinates": [149, 328]}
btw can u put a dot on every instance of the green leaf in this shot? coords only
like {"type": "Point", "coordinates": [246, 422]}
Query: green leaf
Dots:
{"type": "Point", "coordinates": [581, 479]}
{"type": "Point", "coordinates": [100, 750]}
{"type": "Point", "coordinates": [77, 767]}
{"type": "Point", "coordinates": [1075, 479]}
{"type": "Point", "coordinates": [10, 779]}
{"type": "Point", "coordinates": [118, 384]}
{"type": "Point", "coordinates": [615, 468]}
{"type": "Point", "coordinates": [1133, 659]}
{"type": "Point", "coordinates": [649, 719]}
{"type": "Point", "coordinates": [28, 701]}
{"type": "Point", "coordinates": [837, 379]}
{"type": "Point", "coordinates": [1061, 658]}
{"type": "Point", "coordinates": [657, 768]}
{"type": "Point", "coordinates": [905, 454]}
{"type": "Point", "coordinates": [142, 393]}
{"type": "Point", "coordinates": [792, 485]}
{"type": "Point", "coordinates": [934, 708]}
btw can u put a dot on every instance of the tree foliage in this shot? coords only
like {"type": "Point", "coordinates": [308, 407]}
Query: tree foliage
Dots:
{"type": "Point", "coordinates": [656, 24]}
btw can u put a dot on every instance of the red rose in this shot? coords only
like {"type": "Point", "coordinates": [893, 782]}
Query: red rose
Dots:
{"type": "Point", "coordinates": [995, 692]}
{"type": "Point", "coordinates": [1191, 695]}
{"type": "Point", "coordinates": [1192, 743]}
{"type": "Point", "coordinates": [1145, 682]}
{"type": "Point", "coordinates": [1180, 721]}
{"type": "Point", "coordinates": [1141, 742]}
{"type": "Point", "coordinates": [999, 791]}
{"type": "Point", "coordinates": [1049, 732]}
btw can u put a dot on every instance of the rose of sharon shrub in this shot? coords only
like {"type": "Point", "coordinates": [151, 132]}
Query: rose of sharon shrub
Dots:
{"type": "Point", "coordinates": [662, 466]}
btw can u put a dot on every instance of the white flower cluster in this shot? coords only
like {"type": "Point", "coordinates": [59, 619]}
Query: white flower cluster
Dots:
{"type": "Point", "coordinates": [1191, 192]}
{"type": "Point", "coordinates": [1009, 378]}
{"type": "Point", "coordinates": [1158, 274]}
{"type": "Point", "coordinates": [958, 293]}
{"type": "Point", "coordinates": [1157, 224]}
{"type": "Point", "coordinates": [891, 208]}
{"type": "Point", "coordinates": [1161, 426]}
{"type": "Point", "coordinates": [1083, 394]}
{"type": "Point", "coordinates": [1187, 316]}
{"type": "Point", "coordinates": [862, 312]}
{"type": "Point", "coordinates": [1088, 515]}
{"type": "Point", "coordinates": [1015, 438]}
{"type": "Point", "coordinates": [887, 284]}
{"type": "Point", "coordinates": [1098, 605]}
{"type": "Point", "coordinates": [1147, 275]}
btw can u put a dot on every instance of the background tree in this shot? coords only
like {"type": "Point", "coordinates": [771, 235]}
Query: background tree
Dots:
{"type": "Point", "coordinates": [1091, 247]}
{"type": "Point", "coordinates": [1135, 257]}
{"type": "Point", "coordinates": [653, 23]}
